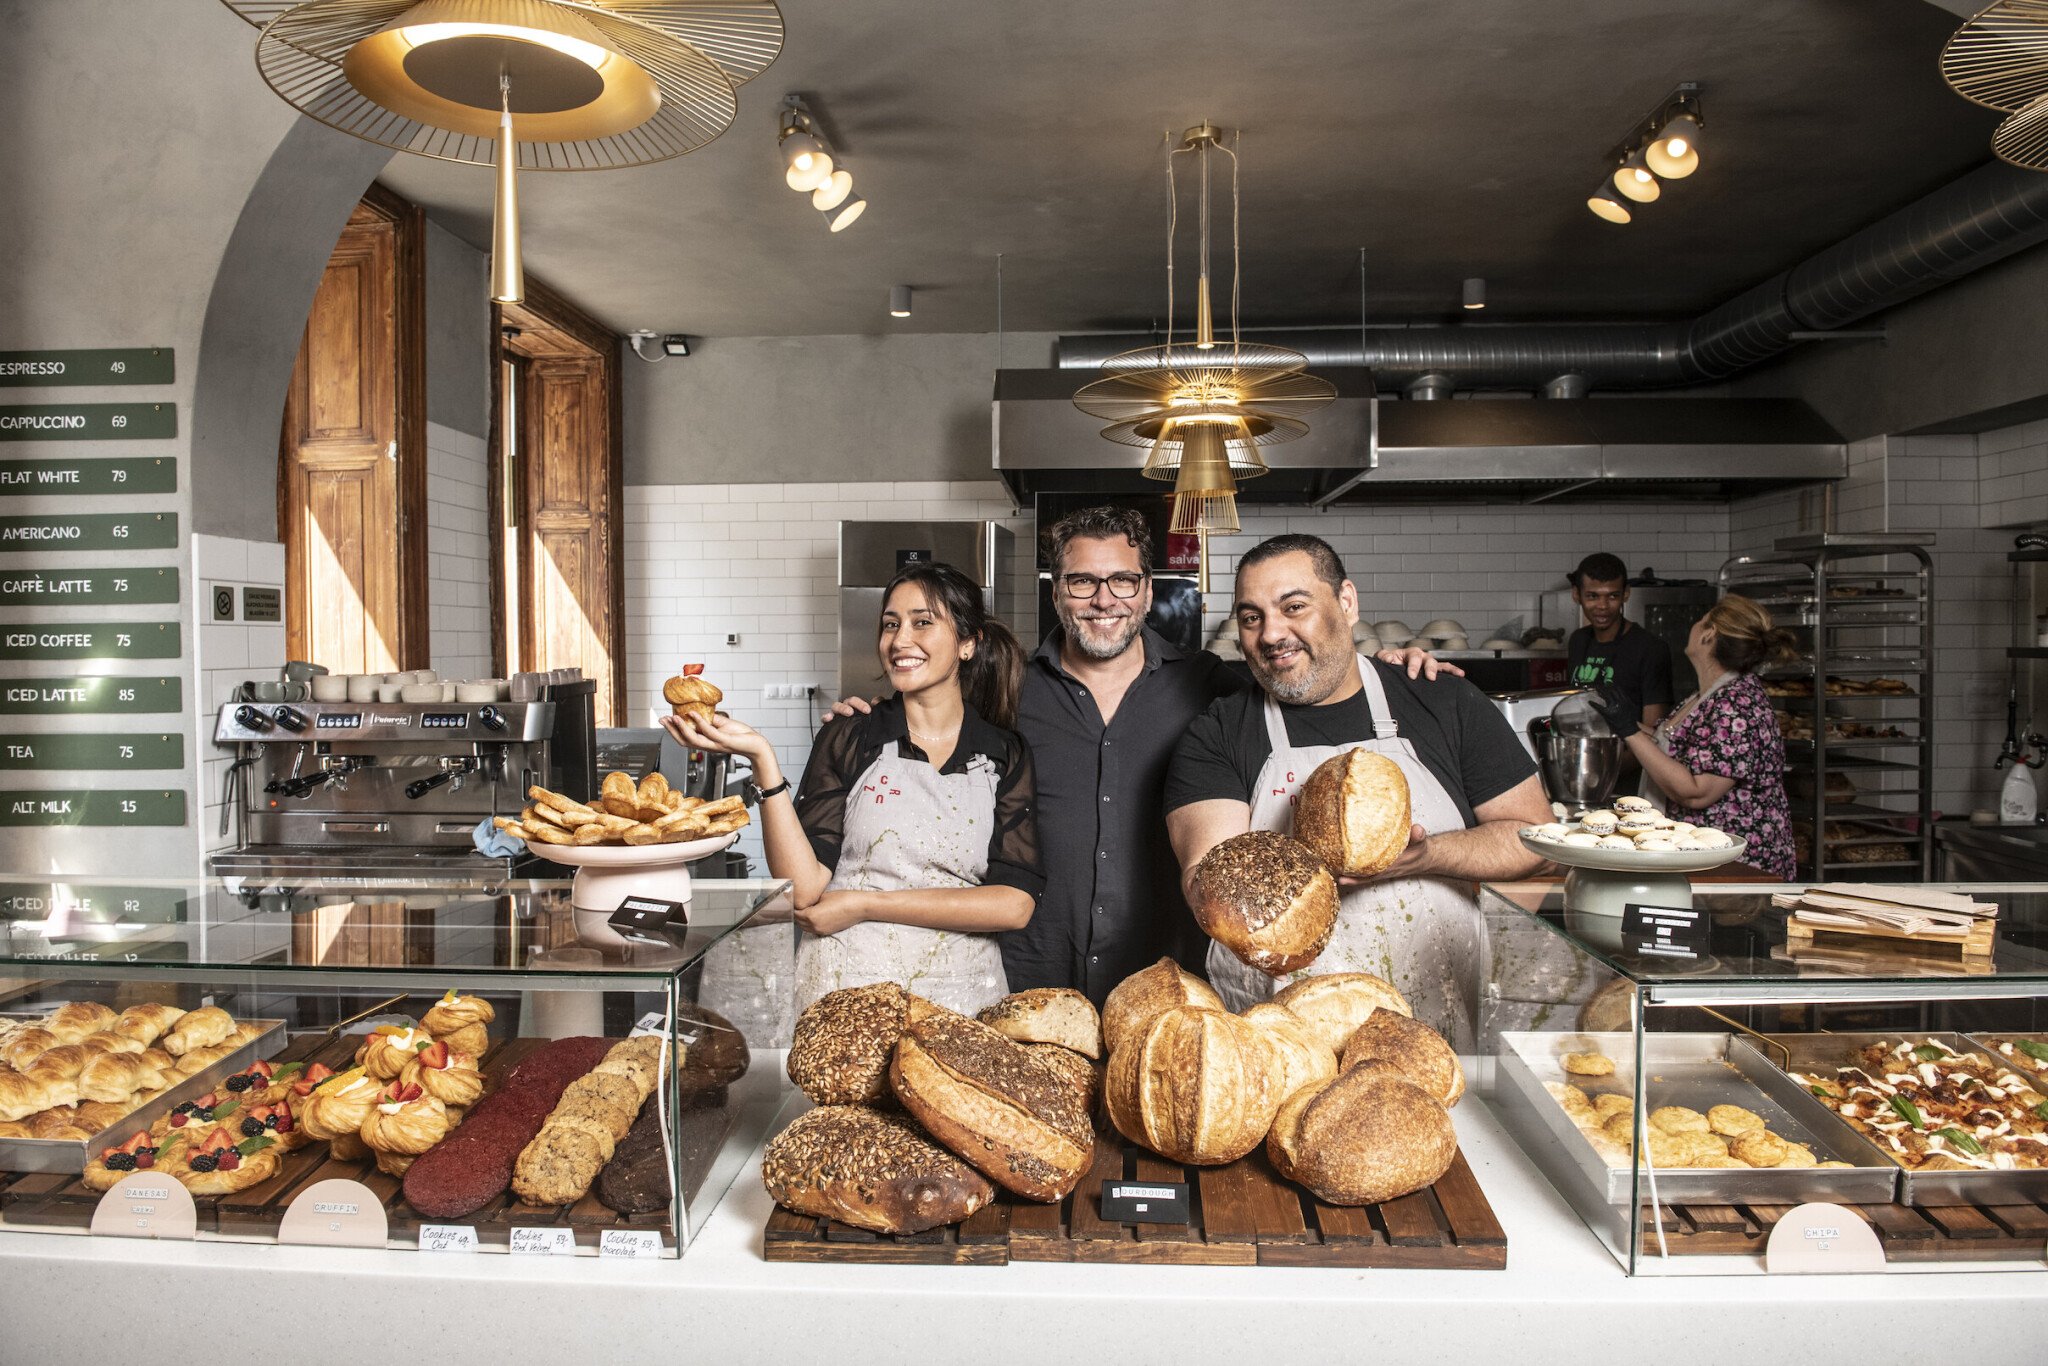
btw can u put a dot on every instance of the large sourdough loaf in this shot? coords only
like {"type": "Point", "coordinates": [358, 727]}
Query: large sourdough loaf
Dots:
{"type": "Point", "coordinates": [1196, 1085]}
{"type": "Point", "coordinates": [1266, 898]}
{"type": "Point", "coordinates": [1368, 1136]}
{"type": "Point", "coordinates": [1054, 1015]}
{"type": "Point", "coordinates": [1149, 991]}
{"type": "Point", "coordinates": [1335, 1004]}
{"type": "Point", "coordinates": [1418, 1051]}
{"type": "Point", "coordinates": [1300, 1058]}
{"type": "Point", "coordinates": [1353, 812]}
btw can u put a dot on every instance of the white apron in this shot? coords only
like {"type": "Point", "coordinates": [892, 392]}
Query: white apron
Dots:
{"type": "Point", "coordinates": [1425, 935]}
{"type": "Point", "coordinates": [910, 826]}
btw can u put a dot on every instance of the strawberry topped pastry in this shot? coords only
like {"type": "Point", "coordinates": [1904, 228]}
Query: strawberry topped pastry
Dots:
{"type": "Point", "coordinates": [388, 1048]}
{"type": "Point", "coordinates": [403, 1123]}
{"type": "Point", "coordinates": [335, 1106]}
{"type": "Point", "coordinates": [446, 1075]}
{"type": "Point", "coordinates": [689, 693]}
{"type": "Point", "coordinates": [459, 1022]}
{"type": "Point", "coordinates": [222, 1161]}
{"type": "Point", "coordinates": [139, 1153]}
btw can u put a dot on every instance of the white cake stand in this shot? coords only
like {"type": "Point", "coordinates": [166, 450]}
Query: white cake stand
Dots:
{"type": "Point", "coordinates": [1605, 882]}
{"type": "Point", "coordinates": [607, 874]}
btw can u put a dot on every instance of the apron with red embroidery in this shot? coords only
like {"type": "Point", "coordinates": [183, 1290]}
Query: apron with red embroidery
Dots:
{"type": "Point", "coordinates": [910, 826]}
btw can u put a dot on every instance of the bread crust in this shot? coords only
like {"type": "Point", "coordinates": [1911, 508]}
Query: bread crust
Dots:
{"type": "Point", "coordinates": [1268, 899]}
{"type": "Point", "coordinates": [1302, 1059]}
{"type": "Point", "coordinates": [839, 1052]}
{"type": "Point", "coordinates": [871, 1170]}
{"type": "Point", "coordinates": [1335, 1004]}
{"type": "Point", "coordinates": [1411, 1046]}
{"type": "Point", "coordinates": [1048, 1015]}
{"type": "Point", "coordinates": [1146, 993]}
{"type": "Point", "coordinates": [1196, 1085]}
{"type": "Point", "coordinates": [1370, 1135]}
{"type": "Point", "coordinates": [1353, 812]}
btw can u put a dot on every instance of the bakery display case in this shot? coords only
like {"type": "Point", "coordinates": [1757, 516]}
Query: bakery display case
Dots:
{"type": "Point", "coordinates": [1692, 1081]}
{"type": "Point", "coordinates": [456, 1064]}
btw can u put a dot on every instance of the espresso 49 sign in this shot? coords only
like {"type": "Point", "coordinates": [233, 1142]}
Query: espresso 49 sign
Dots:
{"type": "Point", "coordinates": [102, 365]}
{"type": "Point", "coordinates": [61, 588]}
{"type": "Point", "coordinates": [91, 531]}
{"type": "Point", "coordinates": [92, 640]}
{"type": "Point", "coordinates": [101, 806]}
{"type": "Point", "coordinates": [90, 696]}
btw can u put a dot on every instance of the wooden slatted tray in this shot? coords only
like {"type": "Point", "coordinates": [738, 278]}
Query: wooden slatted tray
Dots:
{"type": "Point", "coordinates": [1970, 1233]}
{"type": "Point", "coordinates": [1243, 1215]}
{"type": "Point", "coordinates": [64, 1201]}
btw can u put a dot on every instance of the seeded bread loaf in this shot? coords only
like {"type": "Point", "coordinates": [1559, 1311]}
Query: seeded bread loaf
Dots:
{"type": "Point", "coordinates": [839, 1053]}
{"type": "Point", "coordinates": [1353, 812]}
{"type": "Point", "coordinates": [1085, 1075]}
{"type": "Point", "coordinates": [871, 1170]}
{"type": "Point", "coordinates": [1267, 899]}
{"type": "Point", "coordinates": [1055, 1015]}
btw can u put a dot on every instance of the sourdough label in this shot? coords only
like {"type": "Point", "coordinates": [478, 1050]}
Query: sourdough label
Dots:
{"type": "Point", "coordinates": [1145, 1202]}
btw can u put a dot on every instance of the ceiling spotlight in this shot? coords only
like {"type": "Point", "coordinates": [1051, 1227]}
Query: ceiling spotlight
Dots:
{"type": "Point", "coordinates": [841, 218]}
{"type": "Point", "coordinates": [669, 344]}
{"type": "Point", "coordinates": [899, 301]}
{"type": "Point", "coordinates": [1635, 179]}
{"type": "Point", "coordinates": [1609, 205]}
{"type": "Point", "coordinates": [837, 186]}
{"type": "Point", "coordinates": [1475, 293]}
{"type": "Point", "coordinates": [808, 164]}
{"type": "Point", "coordinates": [1675, 152]}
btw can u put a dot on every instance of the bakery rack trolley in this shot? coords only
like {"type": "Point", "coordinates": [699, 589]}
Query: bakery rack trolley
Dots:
{"type": "Point", "coordinates": [1862, 608]}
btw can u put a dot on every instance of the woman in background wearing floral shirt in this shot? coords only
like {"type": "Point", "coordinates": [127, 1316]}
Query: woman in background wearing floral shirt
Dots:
{"type": "Point", "coordinates": [1719, 760]}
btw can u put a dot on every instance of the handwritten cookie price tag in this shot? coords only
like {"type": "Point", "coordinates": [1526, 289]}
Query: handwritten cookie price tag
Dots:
{"type": "Point", "coordinates": [543, 1242]}
{"type": "Point", "coordinates": [447, 1238]}
{"type": "Point", "coordinates": [632, 1243]}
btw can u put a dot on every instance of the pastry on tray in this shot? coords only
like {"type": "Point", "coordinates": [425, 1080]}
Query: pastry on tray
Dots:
{"type": "Point", "coordinates": [139, 1153]}
{"type": "Point", "coordinates": [448, 1076]}
{"type": "Point", "coordinates": [1930, 1108]}
{"type": "Point", "coordinates": [201, 1028]}
{"type": "Point", "coordinates": [334, 1110]}
{"type": "Point", "coordinates": [459, 1022]}
{"type": "Point", "coordinates": [221, 1161]}
{"type": "Point", "coordinates": [404, 1123]}
{"type": "Point", "coordinates": [388, 1048]}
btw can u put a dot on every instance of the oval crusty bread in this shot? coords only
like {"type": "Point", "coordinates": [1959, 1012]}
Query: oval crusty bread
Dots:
{"type": "Point", "coordinates": [1353, 812]}
{"type": "Point", "coordinates": [1147, 992]}
{"type": "Point", "coordinates": [1337, 1003]}
{"type": "Point", "coordinates": [1301, 1057]}
{"type": "Point", "coordinates": [1194, 1085]}
{"type": "Point", "coordinates": [839, 1053]}
{"type": "Point", "coordinates": [1018, 1121]}
{"type": "Point", "coordinates": [1266, 898]}
{"type": "Point", "coordinates": [1370, 1135]}
{"type": "Point", "coordinates": [871, 1170]}
{"type": "Point", "coordinates": [1057, 1015]}
{"type": "Point", "coordinates": [1411, 1046]}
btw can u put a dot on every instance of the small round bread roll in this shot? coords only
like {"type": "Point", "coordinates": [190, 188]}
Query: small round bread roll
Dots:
{"type": "Point", "coordinates": [1302, 1058]}
{"type": "Point", "coordinates": [1267, 899]}
{"type": "Point", "coordinates": [1587, 1064]}
{"type": "Point", "coordinates": [1335, 1004]}
{"type": "Point", "coordinates": [1677, 1119]}
{"type": "Point", "coordinates": [1759, 1148]}
{"type": "Point", "coordinates": [839, 1052]}
{"type": "Point", "coordinates": [1730, 1120]}
{"type": "Point", "coordinates": [1353, 813]}
{"type": "Point", "coordinates": [1613, 1103]}
{"type": "Point", "coordinates": [1369, 1135]}
{"type": "Point", "coordinates": [1419, 1051]}
{"type": "Point", "coordinates": [1146, 993]}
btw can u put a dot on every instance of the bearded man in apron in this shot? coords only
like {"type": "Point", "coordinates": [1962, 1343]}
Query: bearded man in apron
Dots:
{"type": "Point", "coordinates": [1471, 786]}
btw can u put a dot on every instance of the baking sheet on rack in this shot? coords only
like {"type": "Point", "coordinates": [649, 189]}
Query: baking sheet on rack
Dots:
{"type": "Point", "coordinates": [71, 1155]}
{"type": "Point", "coordinates": [1698, 1071]}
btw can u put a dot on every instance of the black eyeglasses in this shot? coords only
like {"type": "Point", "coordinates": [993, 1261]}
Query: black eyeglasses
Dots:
{"type": "Point", "coordinates": [1120, 585]}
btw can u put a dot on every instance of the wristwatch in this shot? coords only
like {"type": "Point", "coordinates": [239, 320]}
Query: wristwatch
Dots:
{"type": "Point", "coordinates": [760, 794]}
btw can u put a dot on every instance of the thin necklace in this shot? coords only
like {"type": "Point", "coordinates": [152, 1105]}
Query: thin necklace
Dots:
{"type": "Point", "coordinates": [933, 739]}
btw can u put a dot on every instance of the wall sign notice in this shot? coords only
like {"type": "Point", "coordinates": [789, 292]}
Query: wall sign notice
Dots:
{"type": "Point", "coordinates": [87, 421]}
{"type": "Point", "coordinates": [104, 365]}
{"type": "Point", "coordinates": [77, 753]}
{"type": "Point", "coordinates": [91, 531]}
{"type": "Point", "coordinates": [262, 604]}
{"type": "Point", "coordinates": [68, 474]}
{"type": "Point", "coordinates": [61, 588]}
{"type": "Point", "coordinates": [100, 806]}
{"type": "Point", "coordinates": [110, 904]}
{"type": "Point", "coordinates": [90, 696]}
{"type": "Point", "coordinates": [92, 640]}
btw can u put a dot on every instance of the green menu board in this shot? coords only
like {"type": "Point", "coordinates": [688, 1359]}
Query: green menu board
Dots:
{"type": "Point", "coordinates": [63, 587]}
{"type": "Point", "coordinates": [72, 474]}
{"type": "Point", "coordinates": [103, 903]}
{"type": "Point", "coordinates": [87, 421]}
{"type": "Point", "coordinates": [90, 696]}
{"type": "Point", "coordinates": [91, 640]}
{"type": "Point", "coordinates": [102, 365]}
{"type": "Point", "coordinates": [99, 806]}
{"type": "Point", "coordinates": [80, 753]}
{"type": "Point", "coordinates": [91, 531]}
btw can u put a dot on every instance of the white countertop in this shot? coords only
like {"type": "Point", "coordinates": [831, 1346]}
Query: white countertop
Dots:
{"type": "Point", "coordinates": [1562, 1298]}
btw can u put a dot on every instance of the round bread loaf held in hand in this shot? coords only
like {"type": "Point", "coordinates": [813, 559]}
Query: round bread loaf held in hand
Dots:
{"type": "Point", "coordinates": [1146, 993]}
{"type": "Point", "coordinates": [1411, 1046]}
{"type": "Point", "coordinates": [1195, 1085]}
{"type": "Point", "coordinates": [871, 1170]}
{"type": "Point", "coordinates": [1267, 899]}
{"type": "Point", "coordinates": [1335, 1004]}
{"type": "Point", "coordinates": [1353, 812]}
{"type": "Point", "coordinates": [1368, 1136]}
{"type": "Point", "coordinates": [1053, 1015]}
{"type": "Point", "coordinates": [1301, 1058]}
{"type": "Point", "coordinates": [839, 1053]}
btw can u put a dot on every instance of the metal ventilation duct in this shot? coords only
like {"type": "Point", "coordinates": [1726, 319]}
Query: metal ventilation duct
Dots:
{"type": "Point", "coordinates": [1966, 225]}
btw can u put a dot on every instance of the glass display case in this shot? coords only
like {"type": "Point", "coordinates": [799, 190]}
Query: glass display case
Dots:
{"type": "Point", "coordinates": [1687, 1084]}
{"type": "Point", "coordinates": [471, 1063]}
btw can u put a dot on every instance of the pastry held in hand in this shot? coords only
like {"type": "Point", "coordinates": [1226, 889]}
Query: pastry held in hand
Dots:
{"type": "Point", "coordinates": [1267, 899]}
{"type": "Point", "coordinates": [403, 1123]}
{"type": "Point", "coordinates": [1368, 1136]}
{"type": "Point", "coordinates": [446, 1075]}
{"type": "Point", "coordinates": [1353, 812]}
{"type": "Point", "coordinates": [1148, 992]}
{"type": "Point", "coordinates": [1198, 1086]}
{"type": "Point", "coordinates": [871, 1170]}
{"type": "Point", "coordinates": [689, 694]}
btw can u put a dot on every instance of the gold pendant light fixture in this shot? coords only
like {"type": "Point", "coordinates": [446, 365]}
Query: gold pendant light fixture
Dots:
{"type": "Point", "coordinates": [1999, 59]}
{"type": "Point", "coordinates": [1201, 409]}
{"type": "Point", "coordinates": [540, 85]}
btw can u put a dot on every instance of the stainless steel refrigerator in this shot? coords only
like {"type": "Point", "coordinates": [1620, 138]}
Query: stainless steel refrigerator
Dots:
{"type": "Point", "coordinates": [871, 553]}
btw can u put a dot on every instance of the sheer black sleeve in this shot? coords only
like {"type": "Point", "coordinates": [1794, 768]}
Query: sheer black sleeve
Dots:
{"type": "Point", "coordinates": [830, 772]}
{"type": "Point", "coordinates": [1013, 845]}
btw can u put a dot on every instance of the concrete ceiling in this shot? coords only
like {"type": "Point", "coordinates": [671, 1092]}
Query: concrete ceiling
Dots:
{"type": "Point", "coordinates": [1446, 137]}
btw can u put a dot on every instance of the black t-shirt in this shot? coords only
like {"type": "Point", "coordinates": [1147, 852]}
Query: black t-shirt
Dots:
{"type": "Point", "coordinates": [1457, 734]}
{"type": "Point", "coordinates": [1635, 661]}
{"type": "Point", "coordinates": [846, 748]}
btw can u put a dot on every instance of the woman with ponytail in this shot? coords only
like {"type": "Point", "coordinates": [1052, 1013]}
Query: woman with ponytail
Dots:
{"type": "Point", "coordinates": [1719, 760]}
{"type": "Point", "coordinates": [912, 841]}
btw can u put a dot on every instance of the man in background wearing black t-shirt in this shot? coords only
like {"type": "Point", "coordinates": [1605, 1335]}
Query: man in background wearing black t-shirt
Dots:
{"type": "Point", "coordinates": [1471, 786]}
{"type": "Point", "coordinates": [1610, 650]}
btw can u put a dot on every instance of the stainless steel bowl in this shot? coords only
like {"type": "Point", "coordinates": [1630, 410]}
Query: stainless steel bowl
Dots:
{"type": "Point", "coordinates": [1577, 770]}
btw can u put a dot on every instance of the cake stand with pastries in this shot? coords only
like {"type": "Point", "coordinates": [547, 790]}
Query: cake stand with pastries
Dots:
{"type": "Point", "coordinates": [1629, 856]}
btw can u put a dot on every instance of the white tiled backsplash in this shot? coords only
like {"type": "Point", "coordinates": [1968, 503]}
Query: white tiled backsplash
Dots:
{"type": "Point", "coordinates": [226, 654]}
{"type": "Point", "coordinates": [2012, 473]}
{"type": "Point", "coordinates": [458, 553]}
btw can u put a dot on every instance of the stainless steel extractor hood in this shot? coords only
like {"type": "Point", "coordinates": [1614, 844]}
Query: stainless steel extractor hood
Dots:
{"type": "Point", "coordinates": [1363, 449]}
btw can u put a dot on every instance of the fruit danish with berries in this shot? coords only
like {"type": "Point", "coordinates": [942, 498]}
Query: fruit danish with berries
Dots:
{"type": "Point", "coordinates": [221, 1161]}
{"type": "Point", "coordinates": [139, 1153]}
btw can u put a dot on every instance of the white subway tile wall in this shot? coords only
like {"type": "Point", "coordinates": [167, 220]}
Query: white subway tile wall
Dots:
{"type": "Point", "coordinates": [225, 654]}
{"type": "Point", "coordinates": [2012, 474]}
{"type": "Point", "coordinates": [458, 553]}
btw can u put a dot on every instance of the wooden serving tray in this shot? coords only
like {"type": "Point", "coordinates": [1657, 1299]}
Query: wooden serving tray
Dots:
{"type": "Point", "coordinates": [1965, 1233]}
{"type": "Point", "coordinates": [1244, 1214]}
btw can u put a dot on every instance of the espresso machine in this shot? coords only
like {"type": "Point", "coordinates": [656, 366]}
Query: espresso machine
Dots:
{"type": "Point", "coordinates": [395, 789]}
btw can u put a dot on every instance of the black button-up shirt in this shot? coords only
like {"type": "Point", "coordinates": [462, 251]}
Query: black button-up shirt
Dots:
{"type": "Point", "coordinates": [1112, 902]}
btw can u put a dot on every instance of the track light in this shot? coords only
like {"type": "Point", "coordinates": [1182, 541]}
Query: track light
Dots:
{"type": "Point", "coordinates": [1636, 180]}
{"type": "Point", "coordinates": [1609, 205]}
{"type": "Point", "coordinates": [841, 218]}
{"type": "Point", "coordinates": [1475, 293]}
{"type": "Point", "coordinates": [811, 166]}
{"type": "Point", "coordinates": [899, 301]}
{"type": "Point", "coordinates": [1675, 152]}
{"type": "Point", "coordinates": [837, 186]}
{"type": "Point", "coordinates": [1666, 144]}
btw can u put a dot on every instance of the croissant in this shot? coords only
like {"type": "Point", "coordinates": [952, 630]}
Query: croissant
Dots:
{"type": "Point", "coordinates": [404, 1123]}
{"type": "Point", "coordinates": [200, 1028]}
{"type": "Point", "coordinates": [335, 1112]}
{"type": "Point", "coordinates": [95, 1115]}
{"type": "Point", "coordinates": [452, 1012]}
{"type": "Point", "coordinates": [72, 1022]}
{"type": "Point", "coordinates": [446, 1075]}
{"type": "Point", "coordinates": [116, 1077]}
{"type": "Point", "coordinates": [21, 1095]}
{"type": "Point", "coordinates": [62, 1063]}
{"type": "Point", "coordinates": [110, 1041]}
{"type": "Point", "coordinates": [201, 1058]}
{"type": "Point", "coordinates": [14, 1128]}
{"type": "Point", "coordinates": [24, 1046]}
{"type": "Point", "coordinates": [385, 1052]}
{"type": "Point", "coordinates": [147, 1022]}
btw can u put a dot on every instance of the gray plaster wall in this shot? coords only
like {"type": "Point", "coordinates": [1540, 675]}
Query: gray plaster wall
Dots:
{"type": "Point", "coordinates": [752, 410]}
{"type": "Point", "coordinates": [458, 333]}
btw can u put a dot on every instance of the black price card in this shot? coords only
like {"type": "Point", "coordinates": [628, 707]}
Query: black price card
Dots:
{"type": "Point", "coordinates": [649, 914]}
{"type": "Point", "coordinates": [72, 474]}
{"type": "Point", "coordinates": [102, 365]}
{"type": "Point", "coordinates": [1145, 1202]}
{"type": "Point", "coordinates": [1664, 931]}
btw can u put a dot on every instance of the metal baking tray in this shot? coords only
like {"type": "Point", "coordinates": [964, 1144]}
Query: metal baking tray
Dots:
{"type": "Point", "coordinates": [1982, 1039]}
{"type": "Point", "coordinates": [1823, 1053]}
{"type": "Point", "coordinates": [1700, 1071]}
{"type": "Point", "coordinates": [71, 1155]}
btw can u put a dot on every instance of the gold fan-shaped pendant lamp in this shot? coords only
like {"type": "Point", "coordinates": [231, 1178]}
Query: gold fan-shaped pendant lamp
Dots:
{"type": "Point", "coordinates": [543, 85]}
{"type": "Point", "coordinates": [1999, 59]}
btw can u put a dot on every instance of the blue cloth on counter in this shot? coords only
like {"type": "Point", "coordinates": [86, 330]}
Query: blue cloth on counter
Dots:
{"type": "Point", "coordinates": [492, 842]}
